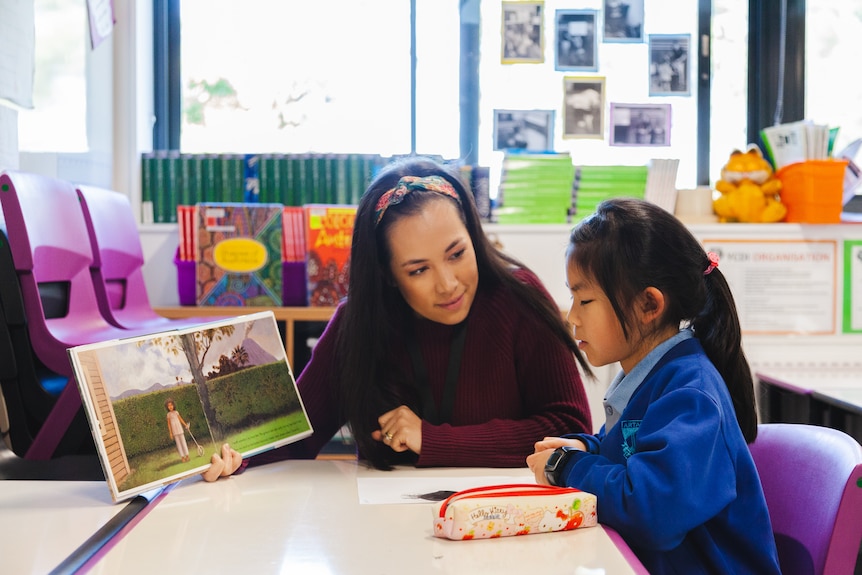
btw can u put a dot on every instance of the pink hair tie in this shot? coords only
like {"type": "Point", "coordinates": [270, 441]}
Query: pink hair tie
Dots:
{"type": "Point", "coordinates": [713, 262]}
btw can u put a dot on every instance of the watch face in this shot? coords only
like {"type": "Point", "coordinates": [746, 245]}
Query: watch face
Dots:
{"type": "Point", "coordinates": [554, 460]}
{"type": "Point", "coordinates": [552, 464]}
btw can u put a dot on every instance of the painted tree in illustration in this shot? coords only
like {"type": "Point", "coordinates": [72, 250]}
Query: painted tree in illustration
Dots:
{"type": "Point", "coordinates": [195, 346]}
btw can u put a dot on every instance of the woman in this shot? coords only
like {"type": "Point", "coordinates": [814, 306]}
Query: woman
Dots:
{"type": "Point", "coordinates": [446, 352]}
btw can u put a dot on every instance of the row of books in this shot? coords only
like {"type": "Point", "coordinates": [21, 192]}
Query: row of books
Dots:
{"type": "Point", "coordinates": [170, 179]}
{"type": "Point", "coordinates": [796, 142]}
{"type": "Point", "coordinates": [550, 189]}
{"type": "Point", "coordinates": [263, 254]}
{"type": "Point", "coordinates": [598, 183]}
{"type": "Point", "coordinates": [535, 188]}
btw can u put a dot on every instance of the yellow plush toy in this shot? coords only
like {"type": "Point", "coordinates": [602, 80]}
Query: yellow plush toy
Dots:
{"type": "Point", "coordinates": [748, 189]}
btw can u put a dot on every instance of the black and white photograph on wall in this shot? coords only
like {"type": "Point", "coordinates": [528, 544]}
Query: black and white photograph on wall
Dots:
{"type": "Point", "coordinates": [583, 107]}
{"type": "Point", "coordinates": [669, 57]}
{"type": "Point", "coordinates": [640, 124]}
{"type": "Point", "coordinates": [624, 21]}
{"type": "Point", "coordinates": [576, 41]}
{"type": "Point", "coordinates": [523, 38]}
{"type": "Point", "coordinates": [524, 130]}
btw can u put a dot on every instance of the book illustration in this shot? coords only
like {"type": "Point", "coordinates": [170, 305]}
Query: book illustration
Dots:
{"type": "Point", "coordinates": [329, 237]}
{"type": "Point", "coordinates": [150, 398]}
{"type": "Point", "coordinates": [239, 254]}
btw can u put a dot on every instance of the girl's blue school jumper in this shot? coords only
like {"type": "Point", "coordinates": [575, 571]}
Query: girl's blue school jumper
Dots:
{"type": "Point", "coordinates": [674, 475]}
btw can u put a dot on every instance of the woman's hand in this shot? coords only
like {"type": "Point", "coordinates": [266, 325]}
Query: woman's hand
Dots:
{"type": "Point", "coordinates": [400, 429]}
{"type": "Point", "coordinates": [224, 465]}
{"type": "Point", "coordinates": [543, 450]}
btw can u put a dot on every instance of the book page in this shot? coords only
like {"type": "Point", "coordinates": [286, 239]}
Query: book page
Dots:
{"type": "Point", "coordinates": [160, 405]}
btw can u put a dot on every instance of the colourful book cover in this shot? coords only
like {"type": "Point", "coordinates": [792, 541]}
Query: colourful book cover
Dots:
{"type": "Point", "coordinates": [238, 254]}
{"type": "Point", "coordinates": [329, 233]}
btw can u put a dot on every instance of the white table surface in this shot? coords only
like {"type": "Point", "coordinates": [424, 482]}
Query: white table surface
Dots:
{"type": "Point", "coordinates": [305, 517]}
{"type": "Point", "coordinates": [43, 522]}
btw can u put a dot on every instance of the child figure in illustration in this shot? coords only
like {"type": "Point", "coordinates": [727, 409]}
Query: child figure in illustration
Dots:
{"type": "Point", "coordinates": [176, 423]}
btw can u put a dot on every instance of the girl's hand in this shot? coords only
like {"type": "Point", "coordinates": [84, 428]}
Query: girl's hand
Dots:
{"type": "Point", "coordinates": [543, 450]}
{"type": "Point", "coordinates": [400, 429]}
{"type": "Point", "coordinates": [555, 442]}
{"type": "Point", "coordinates": [224, 465]}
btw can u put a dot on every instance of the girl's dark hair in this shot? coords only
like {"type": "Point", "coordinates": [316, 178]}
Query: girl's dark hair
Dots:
{"type": "Point", "coordinates": [375, 312]}
{"type": "Point", "coordinates": [629, 245]}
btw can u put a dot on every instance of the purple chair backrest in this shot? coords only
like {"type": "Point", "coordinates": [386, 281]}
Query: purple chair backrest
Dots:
{"type": "Point", "coordinates": [117, 255]}
{"type": "Point", "coordinates": [812, 480]}
{"type": "Point", "coordinates": [51, 249]}
{"type": "Point", "coordinates": [118, 259]}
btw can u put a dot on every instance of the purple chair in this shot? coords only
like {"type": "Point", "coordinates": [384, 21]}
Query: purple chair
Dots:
{"type": "Point", "coordinates": [52, 256]}
{"type": "Point", "coordinates": [812, 479]}
{"type": "Point", "coordinates": [117, 263]}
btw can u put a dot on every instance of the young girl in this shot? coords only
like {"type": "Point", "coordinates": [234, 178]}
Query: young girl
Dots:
{"type": "Point", "coordinates": [176, 423]}
{"type": "Point", "coordinates": [671, 466]}
{"type": "Point", "coordinates": [446, 352]}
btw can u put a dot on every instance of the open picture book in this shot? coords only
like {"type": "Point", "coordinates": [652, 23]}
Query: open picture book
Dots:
{"type": "Point", "coordinates": [160, 405]}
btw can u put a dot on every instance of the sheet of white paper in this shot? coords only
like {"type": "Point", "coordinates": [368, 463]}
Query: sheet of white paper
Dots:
{"type": "Point", "coordinates": [400, 489]}
{"type": "Point", "coordinates": [101, 16]}
{"type": "Point", "coordinates": [17, 51]}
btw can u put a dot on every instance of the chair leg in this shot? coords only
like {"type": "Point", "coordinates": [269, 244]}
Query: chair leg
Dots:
{"type": "Point", "coordinates": [52, 431]}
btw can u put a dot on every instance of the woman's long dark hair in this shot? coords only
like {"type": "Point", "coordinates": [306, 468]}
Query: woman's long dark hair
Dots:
{"type": "Point", "coordinates": [629, 245]}
{"type": "Point", "coordinates": [375, 312]}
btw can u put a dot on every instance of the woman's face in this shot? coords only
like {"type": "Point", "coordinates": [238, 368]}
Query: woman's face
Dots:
{"type": "Point", "coordinates": [433, 262]}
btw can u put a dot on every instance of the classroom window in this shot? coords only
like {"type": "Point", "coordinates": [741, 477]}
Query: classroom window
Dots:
{"type": "Point", "coordinates": [329, 76]}
{"type": "Point", "coordinates": [58, 120]}
{"type": "Point", "coordinates": [242, 90]}
{"type": "Point", "coordinates": [832, 93]}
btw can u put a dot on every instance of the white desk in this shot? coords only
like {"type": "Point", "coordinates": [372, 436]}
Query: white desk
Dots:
{"type": "Point", "coordinates": [305, 517]}
{"type": "Point", "coordinates": [43, 522]}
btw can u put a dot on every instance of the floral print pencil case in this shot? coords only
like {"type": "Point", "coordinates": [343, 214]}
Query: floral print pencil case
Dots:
{"type": "Point", "coordinates": [513, 509]}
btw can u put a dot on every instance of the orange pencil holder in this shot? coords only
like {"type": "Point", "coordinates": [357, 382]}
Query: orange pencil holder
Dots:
{"type": "Point", "coordinates": [813, 191]}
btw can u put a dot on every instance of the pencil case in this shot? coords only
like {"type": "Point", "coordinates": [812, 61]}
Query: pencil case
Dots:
{"type": "Point", "coordinates": [515, 509]}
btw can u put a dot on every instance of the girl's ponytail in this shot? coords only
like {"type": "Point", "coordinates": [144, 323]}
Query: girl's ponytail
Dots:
{"type": "Point", "coordinates": [717, 327]}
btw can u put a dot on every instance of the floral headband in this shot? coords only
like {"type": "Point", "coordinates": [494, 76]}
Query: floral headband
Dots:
{"type": "Point", "coordinates": [409, 184]}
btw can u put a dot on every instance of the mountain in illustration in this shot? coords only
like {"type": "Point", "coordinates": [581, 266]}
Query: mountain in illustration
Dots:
{"type": "Point", "coordinates": [155, 387]}
{"type": "Point", "coordinates": [256, 354]}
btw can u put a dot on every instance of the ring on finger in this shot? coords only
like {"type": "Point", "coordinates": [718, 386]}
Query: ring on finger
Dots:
{"type": "Point", "coordinates": [388, 436]}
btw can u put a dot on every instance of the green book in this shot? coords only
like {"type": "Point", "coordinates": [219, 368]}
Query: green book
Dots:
{"type": "Point", "coordinates": [193, 178]}
{"type": "Point", "coordinates": [289, 174]}
{"type": "Point", "coordinates": [355, 185]}
{"type": "Point", "coordinates": [232, 178]}
{"type": "Point", "coordinates": [148, 169]}
{"type": "Point", "coordinates": [269, 178]}
{"type": "Point", "coordinates": [212, 178]}
{"type": "Point", "coordinates": [342, 191]}
{"type": "Point", "coordinates": [301, 189]}
{"type": "Point", "coordinates": [160, 186]}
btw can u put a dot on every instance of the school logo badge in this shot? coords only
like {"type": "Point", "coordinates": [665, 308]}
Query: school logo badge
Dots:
{"type": "Point", "coordinates": [630, 430]}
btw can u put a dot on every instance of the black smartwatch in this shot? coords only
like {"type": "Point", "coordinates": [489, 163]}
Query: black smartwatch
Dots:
{"type": "Point", "coordinates": [556, 463]}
